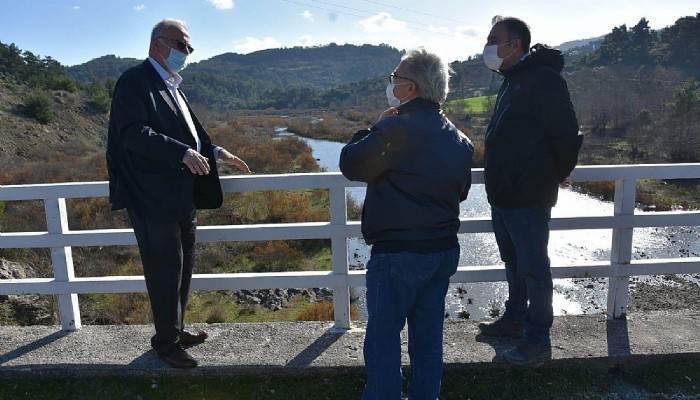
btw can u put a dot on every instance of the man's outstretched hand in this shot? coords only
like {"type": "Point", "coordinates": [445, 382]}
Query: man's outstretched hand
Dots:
{"type": "Point", "coordinates": [228, 158]}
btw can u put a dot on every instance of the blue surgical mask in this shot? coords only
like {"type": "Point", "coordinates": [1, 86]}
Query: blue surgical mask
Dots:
{"type": "Point", "coordinates": [176, 61]}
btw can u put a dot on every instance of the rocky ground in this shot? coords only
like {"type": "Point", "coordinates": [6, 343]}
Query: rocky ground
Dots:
{"type": "Point", "coordinates": [25, 309]}
{"type": "Point", "coordinates": [679, 294]}
{"type": "Point", "coordinates": [275, 299]}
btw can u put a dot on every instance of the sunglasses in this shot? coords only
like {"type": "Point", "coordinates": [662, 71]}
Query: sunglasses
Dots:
{"type": "Point", "coordinates": [392, 78]}
{"type": "Point", "coordinates": [182, 46]}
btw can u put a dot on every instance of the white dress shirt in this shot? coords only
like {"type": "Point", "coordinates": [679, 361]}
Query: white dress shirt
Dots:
{"type": "Point", "coordinates": [172, 83]}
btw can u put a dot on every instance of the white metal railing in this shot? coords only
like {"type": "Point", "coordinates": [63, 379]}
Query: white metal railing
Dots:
{"type": "Point", "coordinates": [60, 239]}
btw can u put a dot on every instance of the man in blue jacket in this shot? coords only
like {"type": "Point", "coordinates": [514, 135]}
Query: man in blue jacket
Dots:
{"type": "Point", "coordinates": [532, 145]}
{"type": "Point", "coordinates": [417, 166]}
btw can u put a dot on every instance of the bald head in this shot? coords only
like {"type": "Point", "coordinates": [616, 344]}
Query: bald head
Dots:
{"type": "Point", "coordinates": [168, 26]}
{"type": "Point", "coordinates": [166, 35]}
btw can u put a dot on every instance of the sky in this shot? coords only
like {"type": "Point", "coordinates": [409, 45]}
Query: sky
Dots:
{"type": "Point", "coordinates": [76, 31]}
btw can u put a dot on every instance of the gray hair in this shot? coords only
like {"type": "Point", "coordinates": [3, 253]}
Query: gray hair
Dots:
{"type": "Point", "coordinates": [166, 24]}
{"type": "Point", "coordinates": [430, 73]}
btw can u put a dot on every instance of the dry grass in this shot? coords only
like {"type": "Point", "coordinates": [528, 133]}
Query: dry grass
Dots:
{"type": "Point", "coordinates": [323, 311]}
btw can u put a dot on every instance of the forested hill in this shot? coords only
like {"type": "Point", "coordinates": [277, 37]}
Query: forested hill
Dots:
{"type": "Point", "coordinates": [103, 68]}
{"type": "Point", "coordinates": [676, 46]}
{"type": "Point", "coordinates": [305, 76]}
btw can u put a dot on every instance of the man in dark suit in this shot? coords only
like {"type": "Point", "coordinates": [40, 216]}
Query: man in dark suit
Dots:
{"type": "Point", "coordinates": [162, 167]}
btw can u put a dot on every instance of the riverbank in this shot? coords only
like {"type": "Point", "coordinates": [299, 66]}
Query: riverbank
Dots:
{"type": "Point", "coordinates": [597, 150]}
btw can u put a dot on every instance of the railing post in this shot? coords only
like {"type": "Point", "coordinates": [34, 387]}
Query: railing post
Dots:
{"type": "Point", "coordinates": [62, 261]}
{"type": "Point", "coordinates": [621, 251]}
{"type": "Point", "coordinates": [339, 249]}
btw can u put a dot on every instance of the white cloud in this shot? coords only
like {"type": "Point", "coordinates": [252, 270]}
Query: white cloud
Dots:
{"type": "Point", "coordinates": [439, 29]}
{"type": "Point", "coordinates": [308, 15]}
{"type": "Point", "coordinates": [306, 40]}
{"type": "Point", "coordinates": [382, 22]}
{"type": "Point", "coordinates": [467, 31]}
{"type": "Point", "coordinates": [251, 44]}
{"type": "Point", "coordinates": [140, 7]}
{"type": "Point", "coordinates": [222, 4]}
{"type": "Point", "coordinates": [76, 8]}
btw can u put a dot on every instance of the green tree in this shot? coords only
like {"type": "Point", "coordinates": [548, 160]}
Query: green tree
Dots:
{"type": "Point", "coordinates": [641, 42]}
{"type": "Point", "coordinates": [40, 107]}
{"type": "Point", "coordinates": [615, 46]}
{"type": "Point", "coordinates": [100, 99]}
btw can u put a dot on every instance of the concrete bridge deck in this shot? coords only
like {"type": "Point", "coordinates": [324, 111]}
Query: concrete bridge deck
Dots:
{"type": "Point", "coordinates": [307, 347]}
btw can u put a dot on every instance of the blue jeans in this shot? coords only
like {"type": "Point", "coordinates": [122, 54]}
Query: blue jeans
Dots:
{"type": "Point", "coordinates": [522, 235]}
{"type": "Point", "coordinates": [406, 286]}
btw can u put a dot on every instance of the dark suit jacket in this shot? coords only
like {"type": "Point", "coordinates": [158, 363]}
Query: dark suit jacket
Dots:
{"type": "Point", "coordinates": [147, 139]}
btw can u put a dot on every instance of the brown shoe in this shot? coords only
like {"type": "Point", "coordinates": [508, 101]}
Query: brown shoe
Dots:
{"type": "Point", "coordinates": [177, 357]}
{"type": "Point", "coordinates": [189, 339]}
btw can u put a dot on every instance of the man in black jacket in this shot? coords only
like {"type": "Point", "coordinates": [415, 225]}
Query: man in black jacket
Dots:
{"type": "Point", "coordinates": [162, 166]}
{"type": "Point", "coordinates": [532, 145]}
{"type": "Point", "coordinates": [417, 166]}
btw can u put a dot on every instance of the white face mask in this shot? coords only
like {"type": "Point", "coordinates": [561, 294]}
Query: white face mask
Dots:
{"type": "Point", "coordinates": [391, 97]}
{"type": "Point", "coordinates": [491, 58]}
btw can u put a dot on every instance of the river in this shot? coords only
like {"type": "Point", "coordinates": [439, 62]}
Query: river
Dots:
{"type": "Point", "coordinates": [571, 296]}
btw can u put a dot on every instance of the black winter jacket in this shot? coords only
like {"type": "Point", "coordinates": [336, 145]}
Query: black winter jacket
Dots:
{"type": "Point", "coordinates": [533, 140]}
{"type": "Point", "coordinates": [418, 169]}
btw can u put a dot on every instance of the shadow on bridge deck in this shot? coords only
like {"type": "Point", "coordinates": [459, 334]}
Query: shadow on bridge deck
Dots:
{"type": "Point", "coordinates": [307, 347]}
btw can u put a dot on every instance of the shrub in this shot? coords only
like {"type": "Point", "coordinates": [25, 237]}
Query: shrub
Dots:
{"type": "Point", "coordinates": [604, 190]}
{"type": "Point", "coordinates": [61, 82]}
{"type": "Point", "coordinates": [40, 107]}
{"type": "Point", "coordinates": [99, 97]}
{"type": "Point", "coordinates": [276, 256]}
{"type": "Point", "coordinates": [216, 315]}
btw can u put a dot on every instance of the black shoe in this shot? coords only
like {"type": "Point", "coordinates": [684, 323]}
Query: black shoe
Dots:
{"type": "Point", "coordinates": [189, 339]}
{"type": "Point", "coordinates": [502, 328]}
{"type": "Point", "coordinates": [176, 356]}
{"type": "Point", "coordinates": [527, 353]}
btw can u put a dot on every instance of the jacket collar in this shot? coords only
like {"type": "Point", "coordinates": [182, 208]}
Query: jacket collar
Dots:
{"type": "Point", "coordinates": [418, 104]}
{"type": "Point", "coordinates": [153, 75]}
{"type": "Point", "coordinates": [170, 80]}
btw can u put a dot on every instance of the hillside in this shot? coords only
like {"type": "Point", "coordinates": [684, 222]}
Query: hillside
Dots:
{"type": "Point", "coordinates": [44, 115]}
{"type": "Point", "coordinates": [581, 45]}
{"type": "Point", "coordinates": [280, 78]}
{"type": "Point", "coordinates": [75, 128]}
{"type": "Point", "coordinates": [101, 69]}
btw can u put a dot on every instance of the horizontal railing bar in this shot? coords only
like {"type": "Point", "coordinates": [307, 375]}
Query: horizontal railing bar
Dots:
{"type": "Point", "coordinates": [136, 284]}
{"type": "Point", "coordinates": [260, 183]}
{"type": "Point", "coordinates": [205, 234]}
{"type": "Point", "coordinates": [662, 266]}
{"type": "Point", "coordinates": [636, 172]}
{"type": "Point", "coordinates": [54, 191]}
{"type": "Point", "coordinates": [310, 279]}
{"type": "Point", "coordinates": [324, 230]}
{"type": "Point", "coordinates": [253, 183]}
{"type": "Point", "coordinates": [476, 274]}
